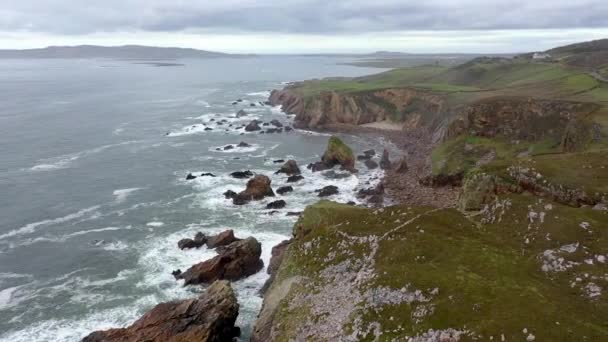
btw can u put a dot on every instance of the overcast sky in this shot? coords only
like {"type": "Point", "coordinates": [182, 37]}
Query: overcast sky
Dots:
{"type": "Point", "coordinates": [271, 26]}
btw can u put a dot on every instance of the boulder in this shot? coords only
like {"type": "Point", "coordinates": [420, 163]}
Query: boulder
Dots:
{"type": "Point", "coordinates": [295, 179]}
{"type": "Point", "coordinates": [241, 113]}
{"type": "Point", "coordinates": [402, 167]}
{"type": "Point", "coordinates": [370, 164]}
{"type": "Point", "coordinates": [230, 194]}
{"type": "Point", "coordinates": [207, 174]}
{"type": "Point", "coordinates": [280, 204]}
{"type": "Point", "coordinates": [378, 190]}
{"type": "Point", "coordinates": [318, 166]}
{"type": "Point", "coordinates": [190, 177]}
{"type": "Point", "coordinates": [363, 157]}
{"type": "Point", "coordinates": [327, 191]}
{"type": "Point", "coordinates": [290, 168]}
{"type": "Point", "coordinates": [252, 104]}
{"type": "Point", "coordinates": [222, 239]}
{"type": "Point", "coordinates": [209, 317]}
{"type": "Point", "coordinates": [242, 174]}
{"type": "Point", "coordinates": [369, 153]}
{"type": "Point", "coordinates": [338, 153]}
{"type": "Point", "coordinates": [238, 260]}
{"type": "Point", "coordinates": [257, 188]}
{"type": "Point", "coordinates": [279, 161]}
{"type": "Point", "coordinates": [253, 126]}
{"type": "Point", "coordinates": [243, 144]}
{"type": "Point", "coordinates": [284, 189]}
{"type": "Point", "coordinates": [288, 128]}
{"type": "Point", "coordinates": [208, 129]}
{"type": "Point", "coordinates": [276, 123]}
{"type": "Point", "coordinates": [228, 147]}
{"type": "Point", "coordinates": [199, 240]}
{"type": "Point", "coordinates": [385, 162]}
{"type": "Point", "coordinates": [274, 130]}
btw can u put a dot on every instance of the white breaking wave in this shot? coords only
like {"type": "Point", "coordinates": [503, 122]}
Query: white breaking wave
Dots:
{"type": "Point", "coordinates": [31, 227]}
{"type": "Point", "coordinates": [64, 161]}
{"type": "Point", "coordinates": [264, 94]}
{"type": "Point", "coordinates": [122, 194]}
{"type": "Point", "coordinates": [155, 224]}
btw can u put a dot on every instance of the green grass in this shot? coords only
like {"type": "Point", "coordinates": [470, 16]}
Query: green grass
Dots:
{"type": "Point", "coordinates": [488, 276]}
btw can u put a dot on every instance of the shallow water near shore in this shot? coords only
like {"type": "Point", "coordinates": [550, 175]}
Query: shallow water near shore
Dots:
{"type": "Point", "coordinates": [93, 196]}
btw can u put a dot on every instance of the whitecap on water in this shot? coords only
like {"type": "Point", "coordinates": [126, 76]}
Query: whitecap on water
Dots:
{"type": "Point", "coordinates": [122, 194]}
{"type": "Point", "coordinates": [155, 224]}
{"type": "Point", "coordinates": [265, 94]}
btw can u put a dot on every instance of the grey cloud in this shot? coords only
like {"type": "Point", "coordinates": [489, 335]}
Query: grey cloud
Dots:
{"type": "Point", "coordinates": [296, 16]}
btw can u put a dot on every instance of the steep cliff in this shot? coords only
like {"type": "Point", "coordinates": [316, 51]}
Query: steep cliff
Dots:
{"type": "Point", "coordinates": [414, 108]}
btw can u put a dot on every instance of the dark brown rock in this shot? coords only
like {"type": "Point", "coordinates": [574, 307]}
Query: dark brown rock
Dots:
{"type": "Point", "coordinates": [257, 188]}
{"type": "Point", "coordinates": [210, 317]}
{"type": "Point", "coordinates": [199, 240]}
{"type": "Point", "coordinates": [295, 179]}
{"type": "Point", "coordinates": [242, 174]}
{"type": "Point", "coordinates": [238, 260]}
{"type": "Point", "coordinates": [253, 126]}
{"type": "Point", "coordinates": [222, 239]}
{"type": "Point", "coordinates": [230, 194]}
{"type": "Point", "coordinates": [385, 162]}
{"type": "Point", "coordinates": [290, 168]}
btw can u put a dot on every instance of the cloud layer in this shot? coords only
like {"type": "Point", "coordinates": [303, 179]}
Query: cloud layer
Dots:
{"type": "Point", "coordinates": [69, 17]}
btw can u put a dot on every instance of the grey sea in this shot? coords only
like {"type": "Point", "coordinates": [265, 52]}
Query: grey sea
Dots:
{"type": "Point", "coordinates": [93, 192]}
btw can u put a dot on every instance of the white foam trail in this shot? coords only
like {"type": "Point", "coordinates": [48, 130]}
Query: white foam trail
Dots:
{"type": "Point", "coordinates": [31, 227]}
{"type": "Point", "coordinates": [264, 94]}
{"type": "Point", "coordinates": [122, 194]}
{"type": "Point", "coordinates": [236, 149]}
{"type": "Point", "coordinates": [64, 161]}
{"type": "Point", "coordinates": [155, 224]}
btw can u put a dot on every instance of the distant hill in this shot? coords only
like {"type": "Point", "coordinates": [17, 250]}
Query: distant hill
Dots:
{"type": "Point", "coordinates": [114, 52]}
{"type": "Point", "coordinates": [584, 47]}
{"type": "Point", "coordinates": [591, 55]}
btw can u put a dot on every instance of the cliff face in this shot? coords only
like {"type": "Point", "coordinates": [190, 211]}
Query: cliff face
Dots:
{"type": "Point", "coordinates": [412, 107]}
{"type": "Point", "coordinates": [517, 118]}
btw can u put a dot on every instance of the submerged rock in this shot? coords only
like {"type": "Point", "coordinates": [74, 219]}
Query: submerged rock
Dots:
{"type": "Point", "coordinates": [284, 189]}
{"type": "Point", "coordinates": [238, 260]}
{"type": "Point", "coordinates": [290, 168]}
{"type": "Point", "coordinates": [209, 317]}
{"type": "Point", "coordinates": [295, 179]}
{"type": "Point", "coordinates": [242, 174]}
{"type": "Point", "coordinates": [280, 204]}
{"type": "Point", "coordinates": [243, 144]}
{"type": "Point", "coordinates": [230, 194]}
{"type": "Point", "coordinates": [253, 126]}
{"type": "Point", "coordinates": [241, 113]}
{"type": "Point", "coordinates": [276, 123]}
{"type": "Point", "coordinates": [370, 164]}
{"type": "Point", "coordinates": [257, 188]}
{"type": "Point", "coordinates": [327, 191]}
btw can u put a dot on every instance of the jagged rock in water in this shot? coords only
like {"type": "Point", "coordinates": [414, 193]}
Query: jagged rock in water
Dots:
{"type": "Point", "coordinates": [276, 123]}
{"type": "Point", "coordinates": [370, 153]}
{"type": "Point", "coordinates": [290, 168]}
{"type": "Point", "coordinates": [238, 260]}
{"type": "Point", "coordinates": [327, 191]}
{"type": "Point", "coordinates": [222, 239]}
{"type": "Point", "coordinates": [385, 162]}
{"type": "Point", "coordinates": [318, 166]}
{"type": "Point", "coordinates": [253, 126]}
{"type": "Point", "coordinates": [278, 161]}
{"type": "Point", "coordinates": [208, 174]}
{"type": "Point", "coordinates": [402, 167]}
{"type": "Point", "coordinates": [370, 164]}
{"type": "Point", "coordinates": [242, 174]}
{"type": "Point", "coordinates": [257, 188]}
{"type": "Point", "coordinates": [284, 189]}
{"type": "Point", "coordinates": [190, 177]}
{"type": "Point", "coordinates": [338, 153]}
{"type": "Point", "coordinates": [280, 204]}
{"type": "Point", "coordinates": [243, 144]}
{"type": "Point", "coordinates": [228, 147]}
{"type": "Point", "coordinates": [209, 317]}
{"type": "Point", "coordinates": [199, 240]}
{"type": "Point", "coordinates": [288, 128]}
{"type": "Point", "coordinates": [274, 130]}
{"type": "Point", "coordinates": [295, 179]}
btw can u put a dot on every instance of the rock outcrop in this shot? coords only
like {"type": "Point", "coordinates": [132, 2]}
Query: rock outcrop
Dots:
{"type": "Point", "coordinates": [199, 240]}
{"type": "Point", "coordinates": [257, 188]}
{"type": "Point", "coordinates": [210, 317]}
{"type": "Point", "coordinates": [338, 153]}
{"type": "Point", "coordinates": [222, 239]}
{"type": "Point", "coordinates": [238, 260]}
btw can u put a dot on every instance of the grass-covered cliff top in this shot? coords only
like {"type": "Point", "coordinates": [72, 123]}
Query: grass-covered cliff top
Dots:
{"type": "Point", "coordinates": [523, 268]}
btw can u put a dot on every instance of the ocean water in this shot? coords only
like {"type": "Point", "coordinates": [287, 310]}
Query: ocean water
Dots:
{"type": "Point", "coordinates": [93, 196]}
